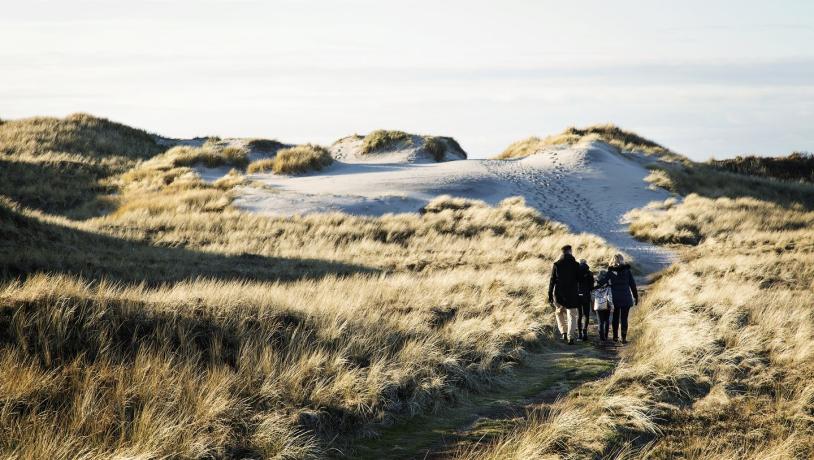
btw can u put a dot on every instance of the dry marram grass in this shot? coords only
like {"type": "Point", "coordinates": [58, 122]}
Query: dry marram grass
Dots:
{"type": "Point", "coordinates": [722, 361]}
{"type": "Point", "coordinates": [178, 326]}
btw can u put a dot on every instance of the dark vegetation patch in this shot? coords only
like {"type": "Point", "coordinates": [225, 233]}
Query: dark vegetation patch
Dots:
{"type": "Point", "coordinates": [799, 166]}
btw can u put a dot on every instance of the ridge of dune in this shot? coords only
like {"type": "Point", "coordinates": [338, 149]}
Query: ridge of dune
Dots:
{"type": "Point", "coordinates": [589, 186]}
{"type": "Point", "coordinates": [414, 149]}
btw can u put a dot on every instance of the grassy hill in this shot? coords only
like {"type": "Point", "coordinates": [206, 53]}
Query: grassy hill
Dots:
{"type": "Point", "coordinates": [176, 326]}
{"type": "Point", "coordinates": [64, 165]}
{"type": "Point", "coordinates": [173, 325]}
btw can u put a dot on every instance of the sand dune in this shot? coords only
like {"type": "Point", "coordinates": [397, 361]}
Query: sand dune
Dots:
{"type": "Point", "coordinates": [588, 186]}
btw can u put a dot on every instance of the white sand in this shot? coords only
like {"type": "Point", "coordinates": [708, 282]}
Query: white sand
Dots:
{"type": "Point", "coordinates": [587, 186]}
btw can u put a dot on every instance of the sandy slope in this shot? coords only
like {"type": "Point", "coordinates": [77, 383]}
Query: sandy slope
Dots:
{"type": "Point", "coordinates": [587, 186]}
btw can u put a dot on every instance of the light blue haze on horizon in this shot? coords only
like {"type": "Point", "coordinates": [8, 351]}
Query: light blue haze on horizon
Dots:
{"type": "Point", "coordinates": [711, 78]}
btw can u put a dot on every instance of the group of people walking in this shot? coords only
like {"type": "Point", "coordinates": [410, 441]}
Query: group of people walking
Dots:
{"type": "Point", "coordinates": [574, 291]}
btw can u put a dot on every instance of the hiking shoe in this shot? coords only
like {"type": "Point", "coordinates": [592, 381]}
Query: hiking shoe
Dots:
{"type": "Point", "coordinates": [564, 336]}
{"type": "Point", "coordinates": [616, 339]}
{"type": "Point", "coordinates": [571, 342]}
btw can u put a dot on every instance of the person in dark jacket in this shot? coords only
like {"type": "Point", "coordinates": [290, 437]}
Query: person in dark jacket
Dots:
{"type": "Point", "coordinates": [585, 282]}
{"type": "Point", "coordinates": [563, 293]}
{"type": "Point", "coordinates": [625, 294]}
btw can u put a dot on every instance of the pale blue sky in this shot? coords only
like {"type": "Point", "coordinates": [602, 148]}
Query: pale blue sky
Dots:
{"type": "Point", "coordinates": [702, 77]}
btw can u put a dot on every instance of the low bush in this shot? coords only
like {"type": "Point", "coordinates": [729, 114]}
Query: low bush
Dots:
{"type": "Point", "coordinates": [380, 140]}
{"type": "Point", "coordinates": [259, 166]}
{"type": "Point", "coordinates": [301, 159]}
{"type": "Point", "coordinates": [265, 145]}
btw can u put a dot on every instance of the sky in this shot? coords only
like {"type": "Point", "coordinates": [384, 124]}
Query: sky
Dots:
{"type": "Point", "coordinates": [713, 78]}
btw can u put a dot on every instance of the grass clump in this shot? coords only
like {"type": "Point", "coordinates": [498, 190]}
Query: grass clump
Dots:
{"type": "Point", "coordinates": [265, 145]}
{"type": "Point", "coordinates": [260, 166]}
{"type": "Point", "coordinates": [438, 146]}
{"type": "Point", "coordinates": [381, 140]}
{"type": "Point", "coordinates": [295, 160]}
{"type": "Point", "coordinates": [208, 156]}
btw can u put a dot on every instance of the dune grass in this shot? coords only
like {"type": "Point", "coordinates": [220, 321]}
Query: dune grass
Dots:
{"type": "Point", "coordinates": [222, 366]}
{"type": "Point", "coordinates": [438, 147]}
{"type": "Point", "coordinates": [208, 156]}
{"type": "Point", "coordinates": [65, 165]}
{"type": "Point", "coordinates": [260, 166]}
{"type": "Point", "coordinates": [381, 139]}
{"type": "Point", "coordinates": [294, 160]}
{"type": "Point", "coordinates": [177, 326]}
{"type": "Point", "coordinates": [798, 166]}
{"type": "Point", "coordinates": [81, 134]}
{"type": "Point", "coordinates": [721, 362]}
{"type": "Point", "coordinates": [625, 141]}
{"type": "Point", "coordinates": [265, 145]}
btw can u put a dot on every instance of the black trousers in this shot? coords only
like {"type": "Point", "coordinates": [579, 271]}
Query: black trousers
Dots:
{"type": "Point", "coordinates": [604, 322]}
{"type": "Point", "coordinates": [584, 312]}
{"type": "Point", "coordinates": [620, 316]}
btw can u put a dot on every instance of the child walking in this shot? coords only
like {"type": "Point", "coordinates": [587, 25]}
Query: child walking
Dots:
{"type": "Point", "coordinates": [603, 306]}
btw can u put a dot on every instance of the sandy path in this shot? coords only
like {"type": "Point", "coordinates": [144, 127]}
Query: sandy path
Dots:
{"type": "Point", "coordinates": [587, 186]}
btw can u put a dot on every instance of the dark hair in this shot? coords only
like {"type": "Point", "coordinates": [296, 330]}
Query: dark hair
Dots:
{"type": "Point", "coordinates": [566, 248]}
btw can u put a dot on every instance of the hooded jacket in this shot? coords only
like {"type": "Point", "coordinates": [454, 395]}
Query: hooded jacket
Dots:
{"type": "Point", "coordinates": [623, 286]}
{"type": "Point", "coordinates": [585, 280]}
{"type": "Point", "coordinates": [563, 285]}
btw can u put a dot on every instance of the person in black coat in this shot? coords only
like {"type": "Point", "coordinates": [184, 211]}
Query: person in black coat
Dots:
{"type": "Point", "coordinates": [563, 293]}
{"type": "Point", "coordinates": [625, 294]}
{"type": "Point", "coordinates": [585, 283]}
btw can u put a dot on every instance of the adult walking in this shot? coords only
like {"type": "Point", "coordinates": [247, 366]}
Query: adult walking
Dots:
{"type": "Point", "coordinates": [563, 293]}
{"type": "Point", "coordinates": [624, 293]}
{"type": "Point", "coordinates": [585, 282]}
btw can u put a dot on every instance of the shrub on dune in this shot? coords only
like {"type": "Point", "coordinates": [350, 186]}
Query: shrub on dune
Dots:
{"type": "Point", "coordinates": [260, 166]}
{"type": "Point", "coordinates": [381, 139]}
{"type": "Point", "coordinates": [209, 157]}
{"type": "Point", "coordinates": [265, 145]}
{"type": "Point", "coordinates": [439, 146]}
{"type": "Point", "coordinates": [295, 160]}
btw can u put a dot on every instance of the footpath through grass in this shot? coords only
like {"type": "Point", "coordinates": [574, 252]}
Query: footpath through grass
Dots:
{"type": "Point", "coordinates": [544, 377]}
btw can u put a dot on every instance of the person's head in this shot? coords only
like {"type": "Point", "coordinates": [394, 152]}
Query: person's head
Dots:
{"type": "Point", "coordinates": [617, 259]}
{"type": "Point", "coordinates": [583, 262]}
{"type": "Point", "coordinates": [566, 249]}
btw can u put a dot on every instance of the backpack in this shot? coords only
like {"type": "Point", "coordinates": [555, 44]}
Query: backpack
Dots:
{"type": "Point", "coordinates": [602, 299]}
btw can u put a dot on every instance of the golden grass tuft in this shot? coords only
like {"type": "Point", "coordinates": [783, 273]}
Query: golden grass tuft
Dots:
{"type": "Point", "coordinates": [294, 160]}
{"type": "Point", "coordinates": [381, 139]}
{"type": "Point", "coordinates": [261, 166]}
{"type": "Point", "coordinates": [211, 157]}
